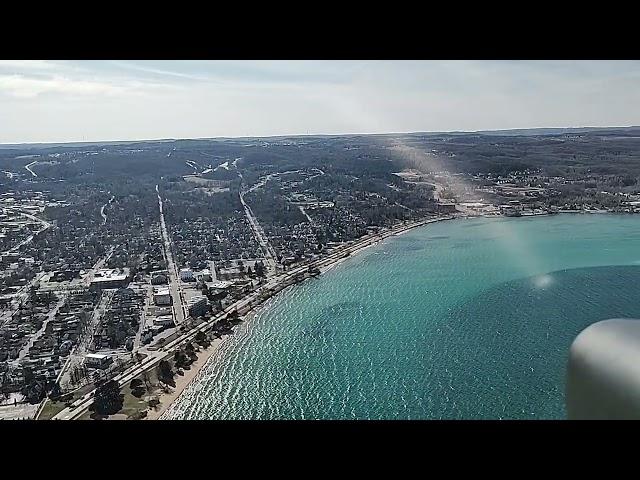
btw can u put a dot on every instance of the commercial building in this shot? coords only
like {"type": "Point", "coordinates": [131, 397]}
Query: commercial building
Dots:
{"type": "Point", "coordinates": [512, 209]}
{"type": "Point", "coordinates": [164, 321]}
{"type": "Point", "coordinates": [162, 297]}
{"type": "Point", "coordinates": [219, 285]}
{"type": "Point", "coordinates": [186, 275]}
{"type": "Point", "coordinates": [110, 278]}
{"type": "Point", "coordinates": [96, 360]}
{"type": "Point", "coordinates": [159, 279]}
{"type": "Point", "coordinates": [446, 208]}
{"type": "Point", "coordinates": [197, 305]}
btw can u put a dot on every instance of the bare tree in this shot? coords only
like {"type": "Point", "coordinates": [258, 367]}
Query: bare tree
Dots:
{"type": "Point", "coordinates": [146, 379]}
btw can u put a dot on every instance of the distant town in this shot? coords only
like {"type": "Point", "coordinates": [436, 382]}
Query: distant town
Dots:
{"type": "Point", "coordinates": [120, 263]}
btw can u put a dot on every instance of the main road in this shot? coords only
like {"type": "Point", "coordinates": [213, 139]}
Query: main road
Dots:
{"type": "Point", "coordinates": [267, 249]}
{"type": "Point", "coordinates": [174, 279]}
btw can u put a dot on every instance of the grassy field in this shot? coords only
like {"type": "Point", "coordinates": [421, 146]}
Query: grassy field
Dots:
{"type": "Point", "coordinates": [52, 407]}
{"type": "Point", "coordinates": [132, 406]}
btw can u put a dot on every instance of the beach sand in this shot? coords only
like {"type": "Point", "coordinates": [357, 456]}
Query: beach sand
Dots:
{"type": "Point", "coordinates": [167, 399]}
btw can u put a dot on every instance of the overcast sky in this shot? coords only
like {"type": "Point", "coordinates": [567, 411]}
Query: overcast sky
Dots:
{"type": "Point", "coordinates": [57, 101]}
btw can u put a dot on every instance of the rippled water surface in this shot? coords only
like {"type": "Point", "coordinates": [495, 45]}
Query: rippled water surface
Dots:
{"type": "Point", "coordinates": [459, 319]}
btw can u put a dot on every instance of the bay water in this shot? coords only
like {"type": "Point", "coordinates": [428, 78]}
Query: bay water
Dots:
{"type": "Point", "coordinates": [462, 319]}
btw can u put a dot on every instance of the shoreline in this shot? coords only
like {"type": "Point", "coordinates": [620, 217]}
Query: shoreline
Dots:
{"type": "Point", "coordinates": [182, 382]}
{"type": "Point", "coordinates": [204, 355]}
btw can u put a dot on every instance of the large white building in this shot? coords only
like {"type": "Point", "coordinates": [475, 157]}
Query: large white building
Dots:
{"type": "Point", "coordinates": [110, 278]}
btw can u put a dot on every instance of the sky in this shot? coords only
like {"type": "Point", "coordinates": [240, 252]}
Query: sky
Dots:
{"type": "Point", "coordinates": [60, 101]}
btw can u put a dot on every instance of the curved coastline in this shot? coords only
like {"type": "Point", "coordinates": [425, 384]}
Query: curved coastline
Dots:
{"type": "Point", "coordinates": [205, 356]}
{"type": "Point", "coordinates": [215, 354]}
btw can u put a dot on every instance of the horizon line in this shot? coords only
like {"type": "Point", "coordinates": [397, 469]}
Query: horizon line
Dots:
{"type": "Point", "coordinates": [240, 137]}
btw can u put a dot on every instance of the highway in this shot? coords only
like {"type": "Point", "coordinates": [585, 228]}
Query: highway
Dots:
{"type": "Point", "coordinates": [273, 286]}
{"type": "Point", "coordinates": [82, 404]}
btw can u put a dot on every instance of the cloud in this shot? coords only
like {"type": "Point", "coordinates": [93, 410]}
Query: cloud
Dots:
{"type": "Point", "coordinates": [151, 99]}
{"type": "Point", "coordinates": [231, 74]}
{"type": "Point", "coordinates": [157, 71]}
{"type": "Point", "coordinates": [28, 87]}
{"type": "Point", "coordinates": [27, 65]}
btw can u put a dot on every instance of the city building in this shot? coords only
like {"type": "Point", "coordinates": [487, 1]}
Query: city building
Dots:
{"type": "Point", "coordinates": [197, 305]}
{"type": "Point", "coordinates": [159, 279]}
{"type": "Point", "coordinates": [162, 297]}
{"type": "Point", "coordinates": [110, 278]}
{"type": "Point", "coordinates": [164, 321]}
{"type": "Point", "coordinates": [218, 286]}
{"type": "Point", "coordinates": [96, 360]}
{"type": "Point", "coordinates": [446, 208]}
{"type": "Point", "coordinates": [186, 275]}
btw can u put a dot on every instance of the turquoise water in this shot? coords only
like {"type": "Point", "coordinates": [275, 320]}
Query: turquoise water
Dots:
{"type": "Point", "coordinates": [459, 319]}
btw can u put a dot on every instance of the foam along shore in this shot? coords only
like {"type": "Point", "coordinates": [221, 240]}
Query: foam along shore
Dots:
{"type": "Point", "coordinates": [206, 354]}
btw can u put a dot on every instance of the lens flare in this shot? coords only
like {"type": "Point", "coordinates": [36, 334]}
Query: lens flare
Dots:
{"type": "Point", "coordinates": [517, 250]}
{"type": "Point", "coordinates": [543, 281]}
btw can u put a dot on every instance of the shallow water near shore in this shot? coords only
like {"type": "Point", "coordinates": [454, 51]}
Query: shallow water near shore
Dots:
{"type": "Point", "coordinates": [461, 319]}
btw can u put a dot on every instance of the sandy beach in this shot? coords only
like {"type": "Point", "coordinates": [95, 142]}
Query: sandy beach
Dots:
{"type": "Point", "coordinates": [167, 399]}
{"type": "Point", "coordinates": [182, 382]}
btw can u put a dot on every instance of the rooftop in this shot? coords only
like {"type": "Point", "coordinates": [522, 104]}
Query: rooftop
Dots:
{"type": "Point", "coordinates": [97, 356]}
{"type": "Point", "coordinates": [109, 274]}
